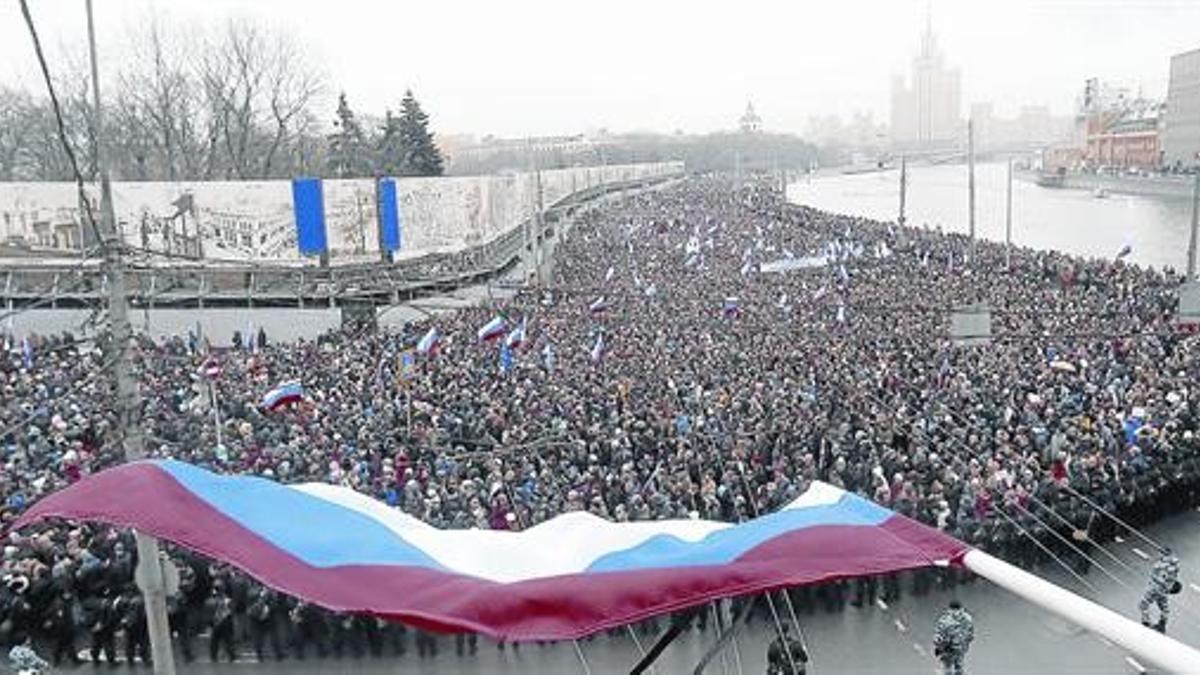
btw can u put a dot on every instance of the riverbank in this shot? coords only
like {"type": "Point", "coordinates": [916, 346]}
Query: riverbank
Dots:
{"type": "Point", "coordinates": [1163, 187]}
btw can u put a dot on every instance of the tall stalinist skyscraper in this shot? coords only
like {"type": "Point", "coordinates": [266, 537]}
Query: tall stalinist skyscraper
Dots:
{"type": "Point", "coordinates": [925, 112]}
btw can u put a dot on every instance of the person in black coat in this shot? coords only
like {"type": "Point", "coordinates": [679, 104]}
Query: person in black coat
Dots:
{"type": "Point", "coordinates": [308, 626]}
{"type": "Point", "coordinates": [133, 620]}
{"type": "Point", "coordinates": [62, 618]}
{"type": "Point", "coordinates": [263, 613]}
{"type": "Point", "coordinates": [219, 608]}
{"type": "Point", "coordinates": [180, 611]}
{"type": "Point", "coordinates": [102, 613]}
{"type": "Point", "coordinates": [786, 655]}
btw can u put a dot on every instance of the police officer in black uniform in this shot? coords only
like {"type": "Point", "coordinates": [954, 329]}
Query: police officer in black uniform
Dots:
{"type": "Point", "coordinates": [786, 654]}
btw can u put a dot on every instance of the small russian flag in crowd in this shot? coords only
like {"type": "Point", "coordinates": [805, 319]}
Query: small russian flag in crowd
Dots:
{"type": "Point", "coordinates": [211, 368]}
{"type": "Point", "coordinates": [598, 349]}
{"type": "Point", "coordinates": [287, 392]}
{"type": "Point", "coordinates": [599, 306]}
{"type": "Point", "coordinates": [428, 345]}
{"type": "Point", "coordinates": [731, 309]}
{"type": "Point", "coordinates": [516, 338]}
{"type": "Point", "coordinates": [492, 329]}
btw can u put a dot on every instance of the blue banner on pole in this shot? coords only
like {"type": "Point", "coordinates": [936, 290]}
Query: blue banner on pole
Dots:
{"type": "Point", "coordinates": [390, 237]}
{"type": "Point", "coordinates": [308, 202]}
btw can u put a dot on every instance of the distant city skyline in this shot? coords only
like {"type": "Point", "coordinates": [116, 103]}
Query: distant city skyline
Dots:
{"type": "Point", "coordinates": [544, 68]}
{"type": "Point", "coordinates": [926, 107]}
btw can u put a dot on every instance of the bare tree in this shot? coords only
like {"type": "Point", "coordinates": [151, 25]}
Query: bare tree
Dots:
{"type": "Point", "coordinates": [16, 124]}
{"type": "Point", "coordinates": [158, 100]}
{"type": "Point", "coordinates": [292, 85]}
{"type": "Point", "coordinates": [259, 85]}
{"type": "Point", "coordinates": [233, 102]}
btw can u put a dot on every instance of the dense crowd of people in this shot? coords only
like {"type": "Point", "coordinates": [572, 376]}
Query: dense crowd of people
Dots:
{"type": "Point", "coordinates": [666, 372]}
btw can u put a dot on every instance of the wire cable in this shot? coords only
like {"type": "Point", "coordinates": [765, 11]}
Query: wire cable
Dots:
{"type": "Point", "coordinates": [61, 126]}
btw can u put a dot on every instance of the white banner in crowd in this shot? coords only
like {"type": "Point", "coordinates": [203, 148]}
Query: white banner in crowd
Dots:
{"type": "Point", "coordinates": [254, 220]}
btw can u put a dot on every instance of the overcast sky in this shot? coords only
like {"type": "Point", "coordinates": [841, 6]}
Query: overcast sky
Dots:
{"type": "Point", "coordinates": [518, 67]}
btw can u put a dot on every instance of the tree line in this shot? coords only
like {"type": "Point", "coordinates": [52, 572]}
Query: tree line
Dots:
{"type": "Point", "coordinates": [237, 100]}
{"type": "Point", "coordinates": [716, 151]}
{"type": "Point", "coordinates": [232, 101]}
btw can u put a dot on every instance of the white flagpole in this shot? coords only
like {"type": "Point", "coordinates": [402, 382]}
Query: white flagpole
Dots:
{"type": "Point", "coordinates": [1147, 644]}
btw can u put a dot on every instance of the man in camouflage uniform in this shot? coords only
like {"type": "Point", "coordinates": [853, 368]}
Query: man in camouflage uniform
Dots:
{"type": "Point", "coordinates": [1164, 581]}
{"type": "Point", "coordinates": [952, 638]}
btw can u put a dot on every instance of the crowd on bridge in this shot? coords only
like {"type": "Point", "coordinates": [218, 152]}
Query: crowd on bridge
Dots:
{"type": "Point", "coordinates": [663, 373]}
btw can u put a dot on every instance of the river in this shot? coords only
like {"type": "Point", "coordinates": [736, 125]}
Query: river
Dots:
{"type": "Point", "coordinates": [1044, 218]}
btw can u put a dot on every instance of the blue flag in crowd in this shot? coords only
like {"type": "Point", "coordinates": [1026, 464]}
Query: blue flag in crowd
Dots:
{"type": "Point", "coordinates": [506, 359]}
{"type": "Point", "coordinates": [27, 352]}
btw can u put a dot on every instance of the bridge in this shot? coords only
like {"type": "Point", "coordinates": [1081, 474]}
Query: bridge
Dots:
{"type": "Point", "coordinates": [158, 281]}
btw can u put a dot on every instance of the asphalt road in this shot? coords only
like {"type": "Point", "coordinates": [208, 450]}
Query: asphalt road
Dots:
{"type": "Point", "coordinates": [1012, 636]}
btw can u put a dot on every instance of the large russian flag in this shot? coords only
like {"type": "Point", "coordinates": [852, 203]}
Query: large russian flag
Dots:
{"type": "Point", "coordinates": [566, 578]}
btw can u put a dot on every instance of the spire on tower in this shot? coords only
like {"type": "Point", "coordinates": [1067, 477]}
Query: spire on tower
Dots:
{"type": "Point", "coordinates": [927, 44]}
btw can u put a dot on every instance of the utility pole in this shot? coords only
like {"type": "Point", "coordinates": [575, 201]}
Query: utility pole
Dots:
{"type": "Point", "coordinates": [1191, 271]}
{"type": "Point", "coordinates": [971, 180]}
{"type": "Point", "coordinates": [783, 191]}
{"type": "Point", "coordinates": [531, 220]}
{"type": "Point", "coordinates": [538, 235]}
{"type": "Point", "coordinates": [903, 189]}
{"type": "Point", "coordinates": [1008, 219]}
{"type": "Point", "coordinates": [149, 572]}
